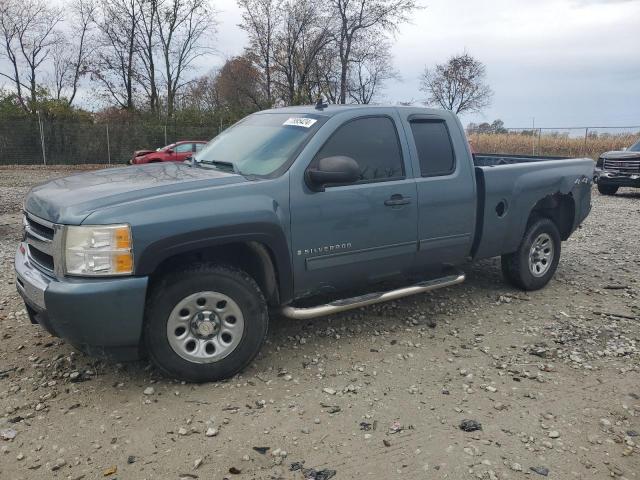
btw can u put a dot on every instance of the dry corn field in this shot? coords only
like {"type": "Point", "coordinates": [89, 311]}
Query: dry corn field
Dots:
{"type": "Point", "coordinates": [550, 144]}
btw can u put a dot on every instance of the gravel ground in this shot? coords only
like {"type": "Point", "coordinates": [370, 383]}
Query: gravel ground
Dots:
{"type": "Point", "coordinates": [552, 377]}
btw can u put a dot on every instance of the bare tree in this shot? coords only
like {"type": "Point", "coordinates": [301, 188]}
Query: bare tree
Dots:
{"type": "Point", "coordinates": [356, 17]}
{"type": "Point", "coordinates": [116, 67]}
{"type": "Point", "coordinates": [71, 55]}
{"type": "Point", "coordinates": [261, 19]}
{"type": "Point", "coordinates": [371, 66]}
{"type": "Point", "coordinates": [183, 26]}
{"type": "Point", "coordinates": [28, 29]}
{"type": "Point", "coordinates": [61, 60]}
{"type": "Point", "coordinates": [303, 36]}
{"type": "Point", "coordinates": [147, 37]}
{"type": "Point", "coordinates": [457, 85]}
{"type": "Point", "coordinates": [201, 94]}
{"type": "Point", "coordinates": [9, 36]}
{"type": "Point", "coordinates": [326, 74]}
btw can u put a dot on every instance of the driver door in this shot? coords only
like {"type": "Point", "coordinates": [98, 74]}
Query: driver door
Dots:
{"type": "Point", "coordinates": [363, 233]}
{"type": "Point", "coordinates": [182, 151]}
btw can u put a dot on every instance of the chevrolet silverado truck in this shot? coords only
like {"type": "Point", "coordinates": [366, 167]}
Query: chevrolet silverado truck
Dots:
{"type": "Point", "coordinates": [620, 168]}
{"type": "Point", "coordinates": [301, 212]}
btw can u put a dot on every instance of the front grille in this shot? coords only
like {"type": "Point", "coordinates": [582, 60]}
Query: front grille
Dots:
{"type": "Point", "coordinates": [41, 259]}
{"type": "Point", "coordinates": [631, 166]}
{"type": "Point", "coordinates": [41, 229]}
{"type": "Point", "coordinates": [39, 235]}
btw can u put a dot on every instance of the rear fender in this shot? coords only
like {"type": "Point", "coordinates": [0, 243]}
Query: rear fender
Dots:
{"type": "Point", "coordinates": [511, 195]}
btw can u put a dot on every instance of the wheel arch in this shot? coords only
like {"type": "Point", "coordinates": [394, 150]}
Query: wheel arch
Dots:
{"type": "Point", "coordinates": [263, 257]}
{"type": "Point", "coordinates": [560, 208]}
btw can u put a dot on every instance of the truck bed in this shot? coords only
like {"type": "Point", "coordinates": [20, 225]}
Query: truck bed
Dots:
{"type": "Point", "coordinates": [510, 186]}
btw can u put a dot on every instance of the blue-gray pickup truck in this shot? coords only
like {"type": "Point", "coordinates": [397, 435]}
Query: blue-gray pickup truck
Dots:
{"type": "Point", "coordinates": [302, 212]}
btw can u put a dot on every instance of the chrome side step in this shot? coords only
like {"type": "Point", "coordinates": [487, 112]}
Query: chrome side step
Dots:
{"type": "Point", "coordinates": [370, 298]}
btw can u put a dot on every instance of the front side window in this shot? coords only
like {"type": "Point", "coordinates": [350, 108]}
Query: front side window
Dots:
{"type": "Point", "coordinates": [435, 150]}
{"type": "Point", "coordinates": [183, 148]}
{"type": "Point", "coordinates": [261, 144]}
{"type": "Point", "coordinates": [373, 143]}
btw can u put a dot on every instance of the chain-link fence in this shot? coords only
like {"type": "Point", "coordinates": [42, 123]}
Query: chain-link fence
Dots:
{"type": "Point", "coordinates": [30, 141]}
{"type": "Point", "coordinates": [566, 142]}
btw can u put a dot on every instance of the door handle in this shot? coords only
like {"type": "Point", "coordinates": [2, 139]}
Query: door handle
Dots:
{"type": "Point", "coordinates": [396, 200]}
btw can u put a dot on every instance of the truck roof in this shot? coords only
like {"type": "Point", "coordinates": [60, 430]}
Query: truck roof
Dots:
{"type": "Point", "coordinates": [332, 109]}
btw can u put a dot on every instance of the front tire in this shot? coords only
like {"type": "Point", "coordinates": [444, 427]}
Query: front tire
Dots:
{"type": "Point", "coordinates": [205, 323]}
{"type": "Point", "coordinates": [608, 189]}
{"type": "Point", "coordinates": [536, 260]}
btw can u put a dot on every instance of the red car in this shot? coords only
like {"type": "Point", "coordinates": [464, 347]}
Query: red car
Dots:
{"type": "Point", "coordinates": [176, 152]}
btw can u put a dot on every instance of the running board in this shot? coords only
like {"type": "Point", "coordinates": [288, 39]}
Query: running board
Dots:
{"type": "Point", "coordinates": [370, 298]}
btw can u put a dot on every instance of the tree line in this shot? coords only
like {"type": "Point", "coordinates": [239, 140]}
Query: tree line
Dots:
{"type": "Point", "coordinates": [137, 57]}
{"type": "Point", "coordinates": [133, 53]}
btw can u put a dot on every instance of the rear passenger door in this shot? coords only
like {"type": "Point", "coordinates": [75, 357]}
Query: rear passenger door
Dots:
{"type": "Point", "coordinates": [446, 189]}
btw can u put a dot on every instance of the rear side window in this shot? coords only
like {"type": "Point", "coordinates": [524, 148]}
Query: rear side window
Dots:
{"type": "Point", "coordinates": [373, 143]}
{"type": "Point", "coordinates": [435, 150]}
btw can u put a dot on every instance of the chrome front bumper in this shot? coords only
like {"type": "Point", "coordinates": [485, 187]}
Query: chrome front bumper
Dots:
{"type": "Point", "coordinates": [31, 283]}
{"type": "Point", "coordinates": [102, 317]}
{"type": "Point", "coordinates": [617, 178]}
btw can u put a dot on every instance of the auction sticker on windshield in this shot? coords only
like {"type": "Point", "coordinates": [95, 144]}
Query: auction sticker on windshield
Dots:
{"type": "Point", "coordinates": [300, 122]}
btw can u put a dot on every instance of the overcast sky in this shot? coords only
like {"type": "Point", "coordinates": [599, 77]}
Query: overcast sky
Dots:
{"type": "Point", "coordinates": [564, 62]}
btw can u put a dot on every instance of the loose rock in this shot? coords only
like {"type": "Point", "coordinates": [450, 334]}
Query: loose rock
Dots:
{"type": "Point", "coordinates": [470, 425]}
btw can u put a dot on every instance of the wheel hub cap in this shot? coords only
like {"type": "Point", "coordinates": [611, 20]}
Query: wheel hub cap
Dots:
{"type": "Point", "coordinates": [541, 255]}
{"type": "Point", "coordinates": [205, 327]}
{"type": "Point", "coordinates": [205, 324]}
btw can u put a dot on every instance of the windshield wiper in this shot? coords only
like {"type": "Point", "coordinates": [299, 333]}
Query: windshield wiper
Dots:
{"type": "Point", "coordinates": [220, 165]}
{"type": "Point", "coordinates": [226, 167]}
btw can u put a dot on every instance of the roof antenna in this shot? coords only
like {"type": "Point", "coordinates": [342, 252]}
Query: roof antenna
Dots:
{"type": "Point", "coordinates": [320, 105]}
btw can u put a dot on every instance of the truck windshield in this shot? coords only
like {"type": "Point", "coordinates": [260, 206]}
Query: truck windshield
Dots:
{"type": "Point", "coordinates": [635, 147]}
{"type": "Point", "coordinates": [260, 145]}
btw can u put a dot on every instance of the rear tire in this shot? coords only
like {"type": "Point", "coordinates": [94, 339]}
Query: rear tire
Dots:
{"type": "Point", "coordinates": [536, 260]}
{"type": "Point", "coordinates": [205, 323]}
{"type": "Point", "coordinates": [608, 189]}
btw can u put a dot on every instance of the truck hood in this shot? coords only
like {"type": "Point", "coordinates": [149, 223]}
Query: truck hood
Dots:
{"type": "Point", "coordinates": [70, 200]}
{"type": "Point", "coordinates": [620, 155]}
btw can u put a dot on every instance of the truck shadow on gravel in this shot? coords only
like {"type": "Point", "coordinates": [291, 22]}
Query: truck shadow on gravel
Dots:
{"type": "Point", "coordinates": [632, 194]}
{"type": "Point", "coordinates": [286, 337]}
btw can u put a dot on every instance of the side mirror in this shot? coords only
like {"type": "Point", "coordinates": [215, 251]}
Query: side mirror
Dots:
{"type": "Point", "coordinates": [168, 150]}
{"type": "Point", "coordinates": [332, 170]}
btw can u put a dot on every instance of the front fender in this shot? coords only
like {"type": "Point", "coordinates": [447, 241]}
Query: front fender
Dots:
{"type": "Point", "coordinates": [163, 226]}
{"type": "Point", "coordinates": [268, 234]}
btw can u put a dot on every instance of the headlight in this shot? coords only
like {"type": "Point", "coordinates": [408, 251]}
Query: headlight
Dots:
{"type": "Point", "coordinates": [600, 162]}
{"type": "Point", "coordinates": [98, 250]}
